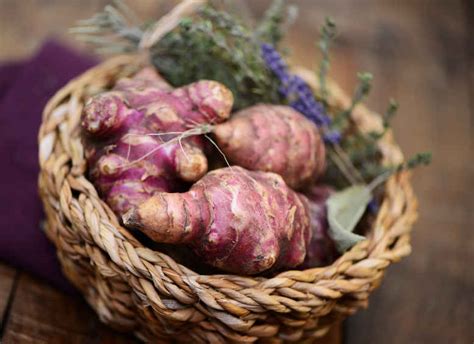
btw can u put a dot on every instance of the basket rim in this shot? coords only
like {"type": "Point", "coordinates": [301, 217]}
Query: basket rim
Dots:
{"type": "Point", "coordinates": [358, 270]}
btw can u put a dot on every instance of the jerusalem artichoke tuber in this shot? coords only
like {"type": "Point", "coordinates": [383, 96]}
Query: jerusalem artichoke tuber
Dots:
{"type": "Point", "coordinates": [273, 138]}
{"type": "Point", "coordinates": [237, 220]}
{"type": "Point", "coordinates": [128, 156]}
{"type": "Point", "coordinates": [321, 250]}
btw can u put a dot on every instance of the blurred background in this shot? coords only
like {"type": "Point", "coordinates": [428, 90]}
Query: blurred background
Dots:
{"type": "Point", "coordinates": [421, 53]}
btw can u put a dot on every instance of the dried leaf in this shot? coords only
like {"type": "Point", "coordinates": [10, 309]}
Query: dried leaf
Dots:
{"type": "Point", "coordinates": [345, 209]}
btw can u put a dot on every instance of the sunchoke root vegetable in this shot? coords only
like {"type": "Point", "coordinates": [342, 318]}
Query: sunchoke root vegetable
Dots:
{"type": "Point", "coordinates": [273, 138]}
{"type": "Point", "coordinates": [138, 165]}
{"type": "Point", "coordinates": [321, 250]}
{"type": "Point", "coordinates": [240, 221]}
{"type": "Point", "coordinates": [129, 159]}
{"type": "Point", "coordinates": [143, 79]}
{"type": "Point", "coordinates": [144, 102]}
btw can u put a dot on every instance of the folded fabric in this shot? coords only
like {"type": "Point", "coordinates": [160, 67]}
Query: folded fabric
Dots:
{"type": "Point", "coordinates": [24, 91]}
{"type": "Point", "coordinates": [8, 71]}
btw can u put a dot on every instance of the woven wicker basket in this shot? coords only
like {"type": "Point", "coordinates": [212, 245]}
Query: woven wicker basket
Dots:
{"type": "Point", "coordinates": [134, 288]}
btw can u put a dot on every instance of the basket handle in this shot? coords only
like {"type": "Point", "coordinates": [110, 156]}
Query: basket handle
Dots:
{"type": "Point", "coordinates": [168, 22]}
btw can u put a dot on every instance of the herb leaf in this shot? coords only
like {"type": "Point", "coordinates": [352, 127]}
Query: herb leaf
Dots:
{"type": "Point", "coordinates": [345, 209]}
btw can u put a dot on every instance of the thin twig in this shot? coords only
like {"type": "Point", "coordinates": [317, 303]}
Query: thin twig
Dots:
{"type": "Point", "coordinates": [347, 161]}
{"type": "Point", "coordinates": [126, 10]}
{"type": "Point", "coordinates": [379, 180]}
{"type": "Point", "coordinates": [200, 130]}
{"type": "Point", "coordinates": [168, 22]}
{"type": "Point", "coordinates": [218, 149]}
{"type": "Point", "coordinates": [342, 167]}
{"type": "Point", "coordinates": [182, 149]}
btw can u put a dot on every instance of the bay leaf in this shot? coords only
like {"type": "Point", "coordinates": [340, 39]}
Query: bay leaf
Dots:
{"type": "Point", "coordinates": [345, 209]}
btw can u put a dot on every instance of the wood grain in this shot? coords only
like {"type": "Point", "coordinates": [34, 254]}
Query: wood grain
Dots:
{"type": "Point", "coordinates": [421, 53]}
{"type": "Point", "coordinates": [8, 277]}
{"type": "Point", "coordinates": [41, 314]}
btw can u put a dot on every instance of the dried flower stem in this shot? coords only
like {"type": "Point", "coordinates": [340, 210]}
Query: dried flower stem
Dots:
{"type": "Point", "coordinates": [202, 129]}
{"type": "Point", "coordinates": [417, 160]}
{"type": "Point", "coordinates": [275, 22]}
{"type": "Point", "coordinates": [328, 32]}
{"type": "Point", "coordinates": [362, 90]}
{"type": "Point", "coordinates": [114, 30]}
{"type": "Point", "coordinates": [342, 166]}
{"type": "Point", "coordinates": [347, 161]}
{"type": "Point", "coordinates": [169, 21]}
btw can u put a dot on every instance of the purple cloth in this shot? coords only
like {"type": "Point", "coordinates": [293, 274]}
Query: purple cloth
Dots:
{"type": "Point", "coordinates": [8, 71]}
{"type": "Point", "coordinates": [24, 90]}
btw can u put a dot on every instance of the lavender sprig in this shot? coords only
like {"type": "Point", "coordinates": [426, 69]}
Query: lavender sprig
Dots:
{"type": "Point", "coordinates": [298, 93]}
{"type": "Point", "coordinates": [300, 97]}
{"type": "Point", "coordinates": [332, 136]}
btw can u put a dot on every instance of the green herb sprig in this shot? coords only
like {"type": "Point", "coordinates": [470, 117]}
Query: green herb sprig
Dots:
{"type": "Point", "coordinates": [361, 92]}
{"type": "Point", "coordinates": [275, 21]}
{"type": "Point", "coordinates": [356, 157]}
{"type": "Point", "coordinates": [386, 119]}
{"type": "Point", "coordinates": [114, 30]}
{"type": "Point", "coordinates": [328, 33]}
{"type": "Point", "coordinates": [216, 46]}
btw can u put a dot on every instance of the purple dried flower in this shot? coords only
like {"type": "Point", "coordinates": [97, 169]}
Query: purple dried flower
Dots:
{"type": "Point", "coordinates": [297, 91]}
{"type": "Point", "coordinates": [332, 137]}
{"type": "Point", "coordinates": [274, 61]}
{"type": "Point", "coordinates": [298, 106]}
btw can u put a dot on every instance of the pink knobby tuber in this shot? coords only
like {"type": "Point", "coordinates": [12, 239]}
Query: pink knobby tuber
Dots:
{"type": "Point", "coordinates": [240, 221]}
{"type": "Point", "coordinates": [320, 250]}
{"type": "Point", "coordinates": [273, 138]}
{"type": "Point", "coordinates": [129, 131]}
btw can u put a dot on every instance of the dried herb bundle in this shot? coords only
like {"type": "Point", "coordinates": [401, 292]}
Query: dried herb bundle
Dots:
{"type": "Point", "coordinates": [216, 46]}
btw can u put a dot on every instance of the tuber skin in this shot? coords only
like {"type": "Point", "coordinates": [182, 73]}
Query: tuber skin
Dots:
{"type": "Point", "coordinates": [274, 138]}
{"type": "Point", "coordinates": [114, 112]}
{"type": "Point", "coordinates": [321, 250]}
{"type": "Point", "coordinates": [128, 162]}
{"type": "Point", "coordinates": [240, 221]}
{"type": "Point", "coordinates": [124, 184]}
{"type": "Point", "coordinates": [146, 78]}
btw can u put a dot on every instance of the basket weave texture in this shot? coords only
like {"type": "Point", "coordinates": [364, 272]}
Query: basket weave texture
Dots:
{"type": "Point", "coordinates": [134, 288]}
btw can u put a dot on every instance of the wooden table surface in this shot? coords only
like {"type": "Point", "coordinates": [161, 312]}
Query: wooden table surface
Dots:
{"type": "Point", "coordinates": [421, 53]}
